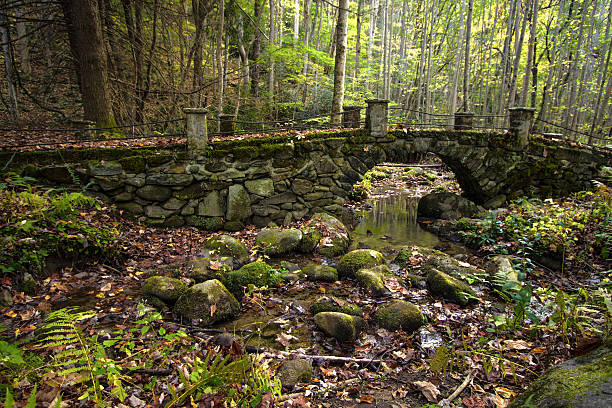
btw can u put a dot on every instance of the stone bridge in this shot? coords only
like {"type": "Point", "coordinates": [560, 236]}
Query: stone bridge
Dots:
{"type": "Point", "coordinates": [282, 179]}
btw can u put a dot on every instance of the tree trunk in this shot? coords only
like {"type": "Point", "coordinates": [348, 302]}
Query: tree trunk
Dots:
{"type": "Point", "coordinates": [86, 44]}
{"type": "Point", "coordinates": [466, 66]}
{"type": "Point", "coordinates": [272, 38]}
{"type": "Point", "coordinates": [357, 44]}
{"type": "Point", "coordinates": [602, 79]}
{"type": "Point", "coordinates": [221, 18]}
{"type": "Point", "coordinates": [296, 21]}
{"type": "Point", "coordinates": [340, 62]}
{"type": "Point", "coordinates": [518, 47]}
{"type": "Point", "coordinates": [23, 47]}
{"type": "Point", "coordinates": [258, 11]}
{"type": "Point", "coordinates": [8, 66]}
{"type": "Point", "coordinates": [455, 86]}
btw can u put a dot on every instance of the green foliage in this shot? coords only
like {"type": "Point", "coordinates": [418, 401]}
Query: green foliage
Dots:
{"type": "Point", "coordinates": [362, 189]}
{"type": "Point", "coordinates": [38, 224]}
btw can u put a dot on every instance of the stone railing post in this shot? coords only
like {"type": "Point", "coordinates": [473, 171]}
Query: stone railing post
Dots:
{"type": "Point", "coordinates": [520, 125]}
{"type": "Point", "coordinates": [351, 116]}
{"type": "Point", "coordinates": [197, 133]}
{"type": "Point", "coordinates": [376, 118]}
{"type": "Point", "coordinates": [227, 124]}
{"type": "Point", "coordinates": [464, 120]}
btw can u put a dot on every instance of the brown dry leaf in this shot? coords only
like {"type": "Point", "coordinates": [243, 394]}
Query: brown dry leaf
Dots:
{"type": "Point", "coordinates": [538, 350]}
{"type": "Point", "coordinates": [367, 399]}
{"type": "Point", "coordinates": [285, 339]}
{"type": "Point", "coordinates": [517, 344]}
{"type": "Point", "coordinates": [106, 287]}
{"type": "Point", "coordinates": [499, 401]}
{"type": "Point", "coordinates": [504, 392]}
{"type": "Point", "coordinates": [429, 390]}
{"type": "Point", "coordinates": [215, 265]}
{"type": "Point", "coordinates": [213, 309]}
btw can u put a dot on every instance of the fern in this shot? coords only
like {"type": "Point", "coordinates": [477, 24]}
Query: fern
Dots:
{"type": "Point", "coordinates": [61, 331]}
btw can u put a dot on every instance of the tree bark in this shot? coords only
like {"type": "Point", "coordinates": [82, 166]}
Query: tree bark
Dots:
{"type": "Point", "coordinates": [23, 46]}
{"type": "Point", "coordinates": [220, 72]}
{"type": "Point", "coordinates": [8, 66]}
{"type": "Point", "coordinates": [455, 85]}
{"type": "Point", "coordinates": [357, 43]}
{"type": "Point", "coordinates": [340, 62]}
{"type": "Point", "coordinates": [258, 11]}
{"type": "Point", "coordinates": [85, 36]}
{"type": "Point", "coordinates": [466, 66]}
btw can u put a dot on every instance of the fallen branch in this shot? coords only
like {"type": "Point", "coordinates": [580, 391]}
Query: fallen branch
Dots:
{"type": "Point", "coordinates": [316, 359]}
{"type": "Point", "coordinates": [337, 386]}
{"type": "Point", "coordinates": [446, 402]}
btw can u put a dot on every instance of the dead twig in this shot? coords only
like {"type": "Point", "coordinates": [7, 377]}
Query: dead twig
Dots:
{"type": "Point", "coordinates": [446, 402]}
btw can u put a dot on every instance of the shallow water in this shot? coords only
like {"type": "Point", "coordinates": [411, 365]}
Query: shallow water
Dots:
{"type": "Point", "coordinates": [391, 223]}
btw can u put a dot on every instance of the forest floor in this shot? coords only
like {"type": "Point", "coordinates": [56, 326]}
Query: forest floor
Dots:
{"type": "Point", "coordinates": [492, 349]}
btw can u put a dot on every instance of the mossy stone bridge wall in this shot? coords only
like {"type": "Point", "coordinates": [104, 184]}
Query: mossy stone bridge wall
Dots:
{"type": "Point", "coordinates": [279, 179]}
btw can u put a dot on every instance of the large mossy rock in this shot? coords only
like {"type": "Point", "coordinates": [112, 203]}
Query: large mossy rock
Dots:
{"type": "Point", "coordinates": [408, 253]}
{"type": "Point", "coordinates": [198, 302]}
{"type": "Point", "coordinates": [332, 304]}
{"type": "Point", "coordinates": [372, 279]}
{"type": "Point", "coordinates": [447, 206]}
{"type": "Point", "coordinates": [341, 326]}
{"type": "Point", "coordinates": [450, 288]}
{"type": "Point", "coordinates": [582, 382]}
{"type": "Point", "coordinates": [399, 314]}
{"type": "Point", "coordinates": [225, 245]}
{"type": "Point", "coordinates": [164, 288]}
{"type": "Point", "coordinates": [207, 268]}
{"type": "Point", "coordinates": [292, 372]}
{"type": "Point", "coordinates": [451, 266]}
{"type": "Point", "coordinates": [336, 240]}
{"type": "Point", "coordinates": [359, 259]}
{"type": "Point", "coordinates": [502, 274]}
{"type": "Point", "coordinates": [256, 273]}
{"type": "Point", "coordinates": [320, 273]}
{"type": "Point", "coordinates": [275, 242]}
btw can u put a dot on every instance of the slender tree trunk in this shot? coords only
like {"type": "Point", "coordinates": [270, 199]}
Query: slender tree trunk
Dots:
{"type": "Point", "coordinates": [86, 43]}
{"type": "Point", "coordinates": [466, 66]}
{"type": "Point", "coordinates": [23, 47]}
{"type": "Point", "coordinates": [455, 85]}
{"type": "Point", "coordinates": [340, 62]}
{"type": "Point", "coordinates": [506, 57]}
{"type": "Point", "coordinates": [574, 71]}
{"type": "Point", "coordinates": [530, 53]}
{"type": "Point", "coordinates": [518, 47]}
{"type": "Point", "coordinates": [220, 76]}
{"type": "Point", "coordinates": [272, 35]}
{"type": "Point", "coordinates": [602, 79]}
{"type": "Point", "coordinates": [258, 11]}
{"type": "Point", "coordinates": [357, 44]}
{"type": "Point", "coordinates": [8, 66]}
{"type": "Point", "coordinates": [296, 21]}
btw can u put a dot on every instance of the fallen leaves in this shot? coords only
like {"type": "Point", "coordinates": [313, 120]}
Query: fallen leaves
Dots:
{"type": "Point", "coordinates": [429, 390]}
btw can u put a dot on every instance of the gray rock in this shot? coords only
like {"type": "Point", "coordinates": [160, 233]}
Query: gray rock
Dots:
{"type": "Point", "coordinates": [261, 187]}
{"type": "Point", "coordinates": [163, 287]}
{"type": "Point", "coordinates": [448, 206]}
{"type": "Point", "coordinates": [6, 299]}
{"type": "Point", "coordinates": [292, 372]}
{"type": "Point", "coordinates": [104, 168]}
{"type": "Point", "coordinates": [452, 289]}
{"type": "Point", "coordinates": [154, 193]}
{"type": "Point", "coordinates": [198, 302]}
{"type": "Point", "coordinates": [225, 245]}
{"type": "Point", "coordinates": [336, 240]}
{"type": "Point", "coordinates": [301, 186]}
{"type": "Point", "coordinates": [212, 205]}
{"type": "Point", "coordinates": [359, 259]}
{"type": "Point", "coordinates": [238, 203]}
{"type": "Point", "coordinates": [164, 179]}
{"type": "Point", "coordinates": [332, 304]}
{"type": "Point", "coordinates": [320, 273]}
{"type": "Point", "coordinates": [341, 326]}
{"type": "Point", "coordinates": [201, 269]}
{"type": "Point", "coordinates": [276, 242]}
{"type": "Point", "coordinates": [131, 207]}
{"type": "Point", "coordinates": [155, 211]}
{"type": "Point", "coordinates": [502, 273]}
{"type": "Point", "coordinates": [399, 314]}
{"type": "Point", "coordinates": [173, 204]}
{"type": "Point", "coordinates": [582, 382]}
{"type": "Point", "coordinates": [371, 279]}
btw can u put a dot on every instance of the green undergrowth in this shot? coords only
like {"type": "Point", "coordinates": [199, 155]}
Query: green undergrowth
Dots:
{"type": "Point", "coordinates": [575, 228]}
{"type": "Point", "coordinates": [362, 189]}
{"type": "Point", "coordinates": [38, 224]}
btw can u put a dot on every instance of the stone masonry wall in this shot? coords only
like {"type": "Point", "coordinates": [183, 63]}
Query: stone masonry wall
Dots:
{"type": "Point", "coordinates": [280, 180]}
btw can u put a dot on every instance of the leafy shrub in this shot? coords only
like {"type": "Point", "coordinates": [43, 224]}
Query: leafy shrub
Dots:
{"type": "Point", "coordinates": [39, 224]}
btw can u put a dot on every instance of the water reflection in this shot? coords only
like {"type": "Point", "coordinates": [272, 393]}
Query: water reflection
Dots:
{"type": "Point", "coordinates": [392, 223]}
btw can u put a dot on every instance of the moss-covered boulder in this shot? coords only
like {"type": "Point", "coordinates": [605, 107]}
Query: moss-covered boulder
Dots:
{"type": "Point", "coordinates": [502, 274]}
{"type": "Point", "coordinates": [320, 273]}
{"type": "Point", "coordinates": [163, 287]}
{"type": "Point", "coordinates": [336, 240]}
{"type": "Point", "coordinates": [582, 382]}
{"type": "Point", "coordinates": [310, 240]}
{"type": "Point", "coordinates": [448, 206]}
{"type": "Point", "coordinates": [332, 304]}
{"type": "Point", "coordinates": [209, 302]}
{"type": "Point", "coordinates": [399, 314]}
{"type": "Point", "coordinates": [359, 259]}
{"type": "Point", "coordinates": [207, 268]}
{"type": "Point", "coordinates": [409, 253]}
{"type": "Point", "coordinates": [372, 279]}
{"type": "Point", "coordinates": [225, 245]}
{"type": "Point", "coordinates": [256, 273]}
{"type": "Point", "coordinates": [292, 372]}
{"type": "Point", "coordinates": [452, 289]}
{"type": "Point", "coordinates": [451, 266]}
{"type": "Point", "coordinates": [275, 242]}
{"type": "Point", "coordinates": [341, 326]}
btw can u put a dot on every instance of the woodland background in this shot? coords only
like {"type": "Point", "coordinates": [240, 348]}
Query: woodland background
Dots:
{"type": "Point", "coordinates": [131, 61]}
